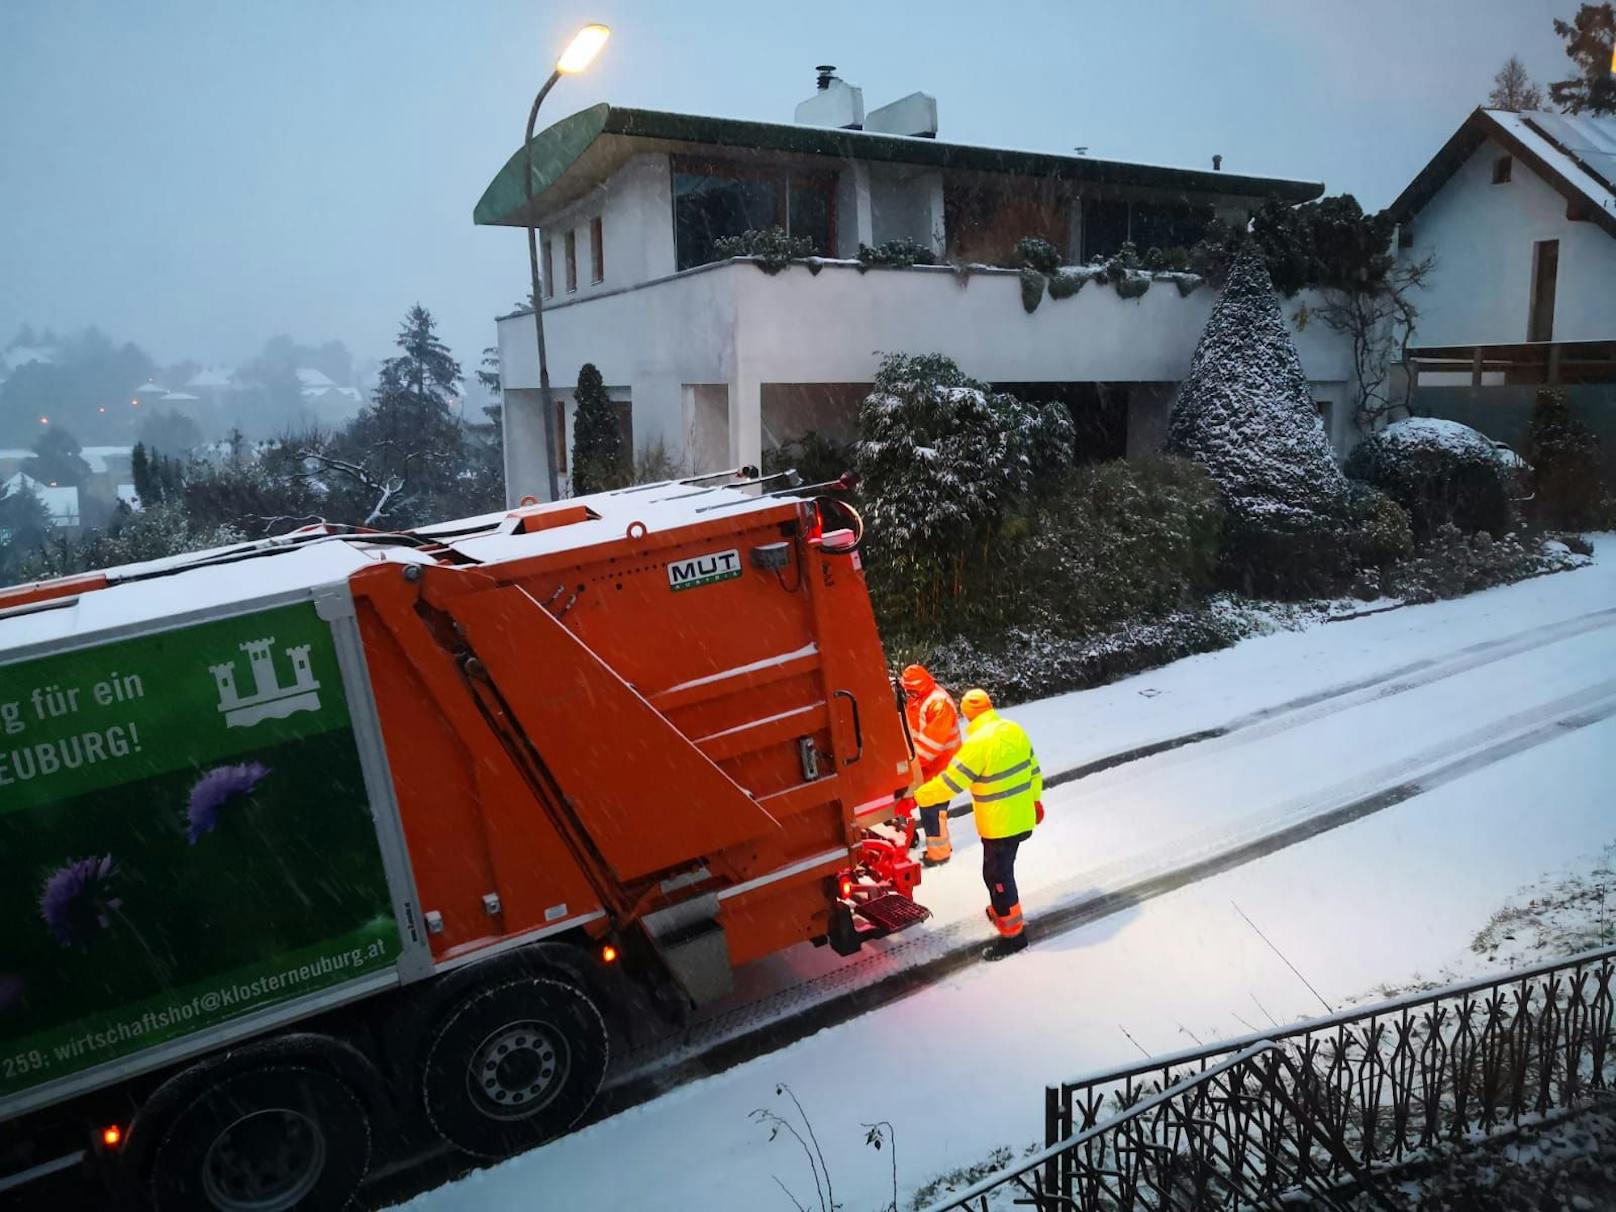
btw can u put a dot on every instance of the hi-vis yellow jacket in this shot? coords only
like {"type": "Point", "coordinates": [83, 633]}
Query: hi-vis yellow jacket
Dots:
{"type": "Point", "coordinates": [998, 765]}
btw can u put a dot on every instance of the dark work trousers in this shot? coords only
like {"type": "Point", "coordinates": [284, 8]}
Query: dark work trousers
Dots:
{"type": "Point", "coordinates": [999, 870]}
{"type": "Point", "coordinates": [931, 819]}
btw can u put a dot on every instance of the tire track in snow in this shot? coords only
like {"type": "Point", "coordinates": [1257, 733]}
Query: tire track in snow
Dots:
{"type": "Point", "coordinates": [1305, 709]}
{"type": "Point", "coordinates": [859, 986]}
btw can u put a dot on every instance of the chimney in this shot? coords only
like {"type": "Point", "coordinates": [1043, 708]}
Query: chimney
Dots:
{"type": "Point", "coordinates": [1217, 164]}
{"type": "Point", "coordinates": [835, 102]}
{"type": "Point", "coordinates": [914, 115]}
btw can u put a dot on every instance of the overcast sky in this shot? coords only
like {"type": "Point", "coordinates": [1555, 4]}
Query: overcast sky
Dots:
{"type": "Point", "coordinates": [199, 176]}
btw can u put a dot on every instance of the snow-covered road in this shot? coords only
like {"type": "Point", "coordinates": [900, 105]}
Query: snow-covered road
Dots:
{"type": "Point", "coordinates": [1493, 721]}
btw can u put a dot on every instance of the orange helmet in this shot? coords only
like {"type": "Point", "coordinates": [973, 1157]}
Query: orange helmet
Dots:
{"type": "Point", "coordinates": [974, 702]}
{"type": "Point", "coordinates": [917, 679]}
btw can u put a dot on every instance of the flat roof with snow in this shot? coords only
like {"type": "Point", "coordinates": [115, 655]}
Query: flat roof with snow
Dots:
{"type": "Point", "coordinates": [578, 152]}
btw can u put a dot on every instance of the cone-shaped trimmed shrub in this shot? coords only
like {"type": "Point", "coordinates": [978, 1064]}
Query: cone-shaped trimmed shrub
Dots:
{"type": "Point", "coordinates": [1246, 414]}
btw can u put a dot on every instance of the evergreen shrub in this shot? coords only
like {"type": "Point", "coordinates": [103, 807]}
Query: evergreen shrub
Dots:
{"type": "Point", "coordinates": [1441, 472]}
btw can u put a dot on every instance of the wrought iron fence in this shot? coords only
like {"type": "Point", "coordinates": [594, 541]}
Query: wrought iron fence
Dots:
{"type": "Point", "coordinates": [1232, 1134]}
{"type": "Point", "coordinates": [1323, 1103]}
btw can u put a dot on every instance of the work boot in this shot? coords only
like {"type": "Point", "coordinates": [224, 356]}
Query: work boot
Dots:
{"type": "Point", "coordinates": [1001, 947]}
{"type": "Point", "coordinates": [928, 861]}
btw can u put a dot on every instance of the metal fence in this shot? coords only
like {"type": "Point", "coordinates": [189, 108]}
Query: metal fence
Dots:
{"type": "Point", "coordinates": [1231, 1135]}
{"type": "Point", "coordinates": [1322, 1104]}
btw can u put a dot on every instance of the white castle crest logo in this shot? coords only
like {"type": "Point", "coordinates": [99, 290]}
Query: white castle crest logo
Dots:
{"type": "Point", "coordinates": [269, 699]}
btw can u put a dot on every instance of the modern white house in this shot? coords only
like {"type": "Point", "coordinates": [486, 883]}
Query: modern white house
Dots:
{"type": "Point", "coordinates": [717, 361]}
{"type": "Point", "coordinates": [1518, 213]}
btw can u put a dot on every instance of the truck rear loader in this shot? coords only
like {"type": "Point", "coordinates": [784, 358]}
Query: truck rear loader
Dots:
{"type": "Point", "coordinates": [306, 835]}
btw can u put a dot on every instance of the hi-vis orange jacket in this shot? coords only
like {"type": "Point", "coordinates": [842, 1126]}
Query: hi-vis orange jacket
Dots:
{"type": "Point", "coordinates": [935, 728]}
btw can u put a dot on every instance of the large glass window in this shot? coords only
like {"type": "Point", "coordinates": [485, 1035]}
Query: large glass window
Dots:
{"type": "Point", "coordinates": [1107, 223]}
{"type": "Point", "coordinates": [812, 208]}
{"type": "Point", "coordinates": [1105, 227]}
{"type": "Point", "coordinates": [713, 199]}
{"type": "Point", "coordinates": [1167, 225]}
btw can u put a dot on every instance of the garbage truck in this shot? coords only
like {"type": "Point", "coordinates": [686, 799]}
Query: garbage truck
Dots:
{"type": "Point", "coordinates": [306, 835]}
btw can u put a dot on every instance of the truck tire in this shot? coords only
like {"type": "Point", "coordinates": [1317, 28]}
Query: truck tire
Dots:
{"type": "Point", "coordinates": [513, 1064]}
{"type": "Point", "coordinates": [265, 1139]}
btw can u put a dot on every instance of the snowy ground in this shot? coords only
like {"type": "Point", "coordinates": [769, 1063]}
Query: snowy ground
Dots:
{"type": "Point", "coordinates": [1494, 715]}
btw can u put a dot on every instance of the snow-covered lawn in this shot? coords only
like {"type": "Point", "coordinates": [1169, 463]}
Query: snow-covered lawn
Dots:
{"type": "Point", "coordinates": [958, 1069]}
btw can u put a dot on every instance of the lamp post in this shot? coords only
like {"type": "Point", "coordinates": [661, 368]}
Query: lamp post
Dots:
{"type": "Point", "coordinates": [580, 53]}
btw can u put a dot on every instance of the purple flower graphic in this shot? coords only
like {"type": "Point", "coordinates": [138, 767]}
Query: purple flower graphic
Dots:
{"type": "Point", "coordinates": [215, 789]}
{"type": "Point", "coordinates": [76, 899]}
{"type": "Point", "coordinates": [11, 988]}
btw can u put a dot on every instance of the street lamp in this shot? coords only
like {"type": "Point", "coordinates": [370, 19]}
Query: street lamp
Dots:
{"type": "Point", "coordinates": [580, 53]}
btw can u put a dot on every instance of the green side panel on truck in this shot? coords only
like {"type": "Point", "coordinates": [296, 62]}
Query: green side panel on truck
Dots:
{"type": "Point", "coordinates": [185, 838]}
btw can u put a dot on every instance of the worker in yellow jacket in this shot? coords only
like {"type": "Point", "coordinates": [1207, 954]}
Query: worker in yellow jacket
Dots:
{"type": "Point", "coordinates": [998, 765]}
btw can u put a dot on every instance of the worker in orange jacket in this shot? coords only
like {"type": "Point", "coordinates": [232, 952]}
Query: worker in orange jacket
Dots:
{"type": "Point", "coordinates": [935, 729]}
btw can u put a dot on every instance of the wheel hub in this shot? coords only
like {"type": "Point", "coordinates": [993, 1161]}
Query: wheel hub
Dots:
{"type": "Point", "coordinates": [267, 1161]}
{"type": "Point", "coordinates": [518, 1069]}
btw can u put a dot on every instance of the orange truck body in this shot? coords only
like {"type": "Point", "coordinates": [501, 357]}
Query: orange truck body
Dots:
{"type": "Point", "coordinates": [653, 726]}
{"type": "Point", "coordinates": [671, 720]}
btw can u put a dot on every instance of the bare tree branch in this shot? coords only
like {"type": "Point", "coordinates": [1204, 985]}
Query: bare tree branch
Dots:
{"type": "Point", "coordinates": [385, 489]}
{"type": "Point", "coordinates": [1380, 324]}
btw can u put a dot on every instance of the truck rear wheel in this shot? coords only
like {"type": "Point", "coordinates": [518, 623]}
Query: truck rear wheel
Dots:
{"type": "Point", "coordinates": [513, 1064]}
{"type": "Point", "coordinates": [263, 1140]}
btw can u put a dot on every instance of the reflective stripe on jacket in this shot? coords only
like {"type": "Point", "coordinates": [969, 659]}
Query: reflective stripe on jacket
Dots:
{"type": "Point", "coordinates": [998, 765]}
{"type": "Point", "coordinates": [934, 728]}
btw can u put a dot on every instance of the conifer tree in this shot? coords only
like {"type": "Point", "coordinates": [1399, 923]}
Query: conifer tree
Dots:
{"type": "Point", "coordinates": [597, 443]}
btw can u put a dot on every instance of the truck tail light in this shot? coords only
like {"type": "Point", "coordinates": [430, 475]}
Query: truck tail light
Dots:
{"type": "Point", "coordinates": [845, 886]}
{"type": "Point", "coordinates": [608, 954]}
{"type": "Point", "coordinates": [816, 524]}
{"type": "Point", "coordinates": [111, 1136]}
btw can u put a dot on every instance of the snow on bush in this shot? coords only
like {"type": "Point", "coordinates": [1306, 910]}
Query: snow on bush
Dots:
{"type": "Point", "coordinates": [942, 458]}
{"type": "Point", "coordinates": [772, 248]}
{"type": "Point", "coordinates": [1026, 663]}
{"type": "Point", "coordinates": [1128, 538]}
{"type": "Point", "coordinates": [1452, 563]}
{"type": "Point", "coordinates": [1245, 411]}
{"type": "Point", "coordinates": [900, 254]}
{"type": "Point", "coordinates": [1246, 414]}
{"type": "Point", "coordinates": [1442, 472]}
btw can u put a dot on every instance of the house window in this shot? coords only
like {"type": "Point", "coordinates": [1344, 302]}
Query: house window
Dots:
{"type": "Point", "coordinates": [715, 199]}
{"type": "Point", "coordinates": [597, 252]}
{"type": "Point", "coordinates": [1545, 271]}
{"type": "Point", "coordinates": [1501, 169]}
{"type": "Point", "coordinates": [572, 261]}
{"type": "Point", "coordinates": [1166, 225]}
{"type": "Point", "coordinates": [1105, 227]}
{"type": "Point", "coordinates": [549, 271]}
